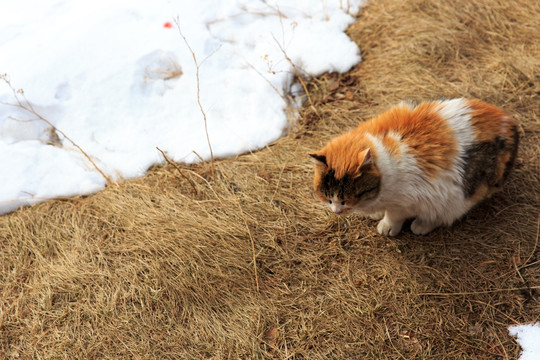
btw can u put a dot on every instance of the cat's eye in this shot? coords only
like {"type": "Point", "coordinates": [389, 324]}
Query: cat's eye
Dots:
{"type": "Point", "coordinates": [330, 201]}
{"type": "Point", "coordinates": [342, 203]}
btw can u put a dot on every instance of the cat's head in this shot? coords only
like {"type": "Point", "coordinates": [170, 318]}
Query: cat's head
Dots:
{"type": "Point", "coordinates": [345, 191]}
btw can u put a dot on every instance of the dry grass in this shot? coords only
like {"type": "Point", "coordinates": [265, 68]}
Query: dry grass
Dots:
{"type": "Point", "coordinates": [249, 265]}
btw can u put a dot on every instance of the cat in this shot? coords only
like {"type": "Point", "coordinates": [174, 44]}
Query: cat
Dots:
{"type": "Point", "coordinates": [432, 162]}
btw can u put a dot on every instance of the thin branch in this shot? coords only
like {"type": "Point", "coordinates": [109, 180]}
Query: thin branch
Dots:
{"type": "Point", "coordinates": [278, 182]}
{"type": "Point", "coordinates": [287, 102]}
{"type": "Point", "coordinates": [244, 13]}
{"type": "Point", "coordinates": [297, 72]}
{"type": "Point", "coordinates": [254, 257]}
{"type": "Point", "coordinates": [276, 9]}
{"type": "Point", "coordinates": [28, 107]}
{"type": "Point", "coordinates": [210, 55]}
{"type": "Point", "coordinates": [478, 292]}
{"type": "Point", "coordinates": [175, 165]}
{"type": "Point", "coordinates": [197, 155]}
{"type": "Point", "coordinates": [533, 252]}
{"type": "Point", "coordinates": [197, 66]}
{"type": "Point", "coordinates": [269, 83]}
{"type": "Point", "coordinates": [391, 342]}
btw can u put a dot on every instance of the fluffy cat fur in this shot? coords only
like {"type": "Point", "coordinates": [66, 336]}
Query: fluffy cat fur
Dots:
{"type": "Point", "coordinates": [431, 162]}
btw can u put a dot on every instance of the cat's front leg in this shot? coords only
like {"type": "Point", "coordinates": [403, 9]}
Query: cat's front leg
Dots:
{"type": "Point", "coordinates": [376, 216]}
{"type": "Point", "coordinates": [391, 223]}
{"type": "Point", "coordinates": [422, 227]}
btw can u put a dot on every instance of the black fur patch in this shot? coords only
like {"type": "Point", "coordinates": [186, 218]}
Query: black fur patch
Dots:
{"type": "Point", "coordinates": [481, 163]}
{"type": "Point", "coordinates": [364, 187]}
{"type": "Point", "coordinates": [480, 166]}
{"type": "Point", "coordinates": [320, 158]}
{"type": "Point", "coordinates": [513, 153]}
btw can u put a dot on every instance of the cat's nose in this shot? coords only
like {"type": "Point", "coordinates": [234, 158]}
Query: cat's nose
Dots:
{"type": "Point", "coordinates": [337, 210]}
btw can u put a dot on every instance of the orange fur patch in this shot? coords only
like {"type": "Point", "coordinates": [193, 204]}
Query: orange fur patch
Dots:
{"type": "Point", "coordinates": [318, 175]}
{"type": "Point", "coordinates": [487, 122]}
{"type": "Point", "coordinates": [344, 153]}
{"type": "Point", "coordinates": [391, 145]}
{"type": "Point", "coordinates": [490, 122]}
{"type": "Point", "coordinates": [427, 135]}
{"type": "Point", "coordinates": [502, 160]}
{"type": "Point", "coordinates": [481, 193]}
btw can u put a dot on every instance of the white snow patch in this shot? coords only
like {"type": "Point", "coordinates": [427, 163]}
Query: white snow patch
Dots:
{"type": "Point", "coordinates": [119, 82]}
{"type": "Point", "coordinates": [528, 337]}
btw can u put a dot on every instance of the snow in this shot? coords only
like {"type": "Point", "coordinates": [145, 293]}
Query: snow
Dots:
{"type": "Point", "coordinates": [119, 82]}
{"type": "Point", "coordinates": [528, 337]}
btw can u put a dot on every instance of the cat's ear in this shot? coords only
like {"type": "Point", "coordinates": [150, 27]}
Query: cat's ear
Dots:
{"type": "Point", "coordinates": [365, 158]}
{"type": "Point", "coordinates": [318, 159]}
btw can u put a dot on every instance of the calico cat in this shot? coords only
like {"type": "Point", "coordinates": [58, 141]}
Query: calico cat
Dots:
{"type": "Point", "coordinates": [431, 162]}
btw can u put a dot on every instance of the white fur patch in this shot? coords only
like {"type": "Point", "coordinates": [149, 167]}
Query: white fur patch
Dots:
{"type": "Point", "coordinates": [406, 191]}
{"type": "Point", "coordinates": [457, 114]}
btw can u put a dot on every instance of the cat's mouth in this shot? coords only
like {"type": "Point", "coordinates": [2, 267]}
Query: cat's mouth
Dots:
{"type": "Point", "coordinates": [343, 212]}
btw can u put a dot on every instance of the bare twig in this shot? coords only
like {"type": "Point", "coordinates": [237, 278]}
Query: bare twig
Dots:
{"type": "Point", "coordinates": [197, 67]}
{"type": "Point", "coordinates": [287, 102]}
{"type": "Point", "coordinates": [175, 165]}
{"type": "Point", "coordinates": [278, 182]}
{"type": "Point", "coordinates": [297, 72]}
{"type": "Point", "coordinates": [477, 292]}
{"type": "Point", "coordinates": [276, 9]}
{"type": "Point", "coordinates": [254, 257]}
{"type": "Point", "coordinates": [245, 12]}
{"type": "Point", "coordinates": [391, 342]}
{"type": "Point", "coordinates": [526, 263]}
{"type": "Point", "coordinates": [197, 155]}
{"type": "Point", "coordinates": [28, 107]}
{"type": "Point", "coordinates": [270, 83]}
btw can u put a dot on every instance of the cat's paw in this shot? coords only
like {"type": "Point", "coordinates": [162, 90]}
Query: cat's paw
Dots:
{"type": "Point", "coordinates": [376, 216]}
{"type": "Point", "coordinates": [422, 227]}
{"type": "Point", "coordinates": [388, 229]}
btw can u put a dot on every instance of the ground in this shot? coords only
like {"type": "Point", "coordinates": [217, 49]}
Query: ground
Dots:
{"type": "Point", "coordinates": [237, 259]}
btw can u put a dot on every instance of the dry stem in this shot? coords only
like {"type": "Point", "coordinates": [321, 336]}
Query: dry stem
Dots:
{"type": "Point", "coordinates": [197, 67]}
{"type": "Point", "coordinates": [175, 165]}
{"type": "Point", "coordinates": [28, 107]}
{"type": "Point", "coordinates": [254, 256]}
{"type": "Point", "coordinates": [297, 72]}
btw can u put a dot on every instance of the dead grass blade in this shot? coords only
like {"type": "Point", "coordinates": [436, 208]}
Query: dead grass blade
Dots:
{"type": "Point", "coordinates": [151, 268]}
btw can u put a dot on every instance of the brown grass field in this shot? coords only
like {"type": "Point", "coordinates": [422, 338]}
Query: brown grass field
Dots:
{"type": "Point", "coordinates": [248, 265]}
